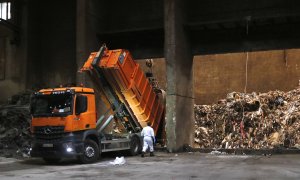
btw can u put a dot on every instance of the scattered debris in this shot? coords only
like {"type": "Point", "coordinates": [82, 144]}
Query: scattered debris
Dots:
{"type": "Point", "coordinates": [250, 121]}
{"type": "Point", "coordinates": [118, 161]}
{"type": "Point", "coordinates": [15, 126]}
{"type": "Point", "coordinates": [267, 155]}
{"type": "Point", "coordinates": [217, 153]}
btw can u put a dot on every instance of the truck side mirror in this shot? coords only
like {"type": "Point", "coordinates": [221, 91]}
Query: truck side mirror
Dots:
{"type": "Point", "coordinates": [80, 104]}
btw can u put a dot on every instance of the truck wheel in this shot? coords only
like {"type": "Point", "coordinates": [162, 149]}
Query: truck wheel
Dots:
{"type": "Point", "coordinates": [52, 160]}
{"type": "Point", "coordinates": [135, 146]}
{"type": "Point", "coordinates": [90, 152]}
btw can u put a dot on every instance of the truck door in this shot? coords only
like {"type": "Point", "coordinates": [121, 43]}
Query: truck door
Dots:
{"type": "Point", "coordinates": [80, 109]}
{"type": "Point", "coordinates": [85, 114]}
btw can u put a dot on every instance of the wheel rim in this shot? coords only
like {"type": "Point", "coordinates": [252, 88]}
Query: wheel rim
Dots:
{"type": "Point", "coordinates": [89, 151]}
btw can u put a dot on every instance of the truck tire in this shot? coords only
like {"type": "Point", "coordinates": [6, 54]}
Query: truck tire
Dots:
{"type": "Point", "coordinates": [91, 152]}
{"type": "Point", "coordinates": [51, 160]}
{"type": "Point", "coordinates": [135, 146]}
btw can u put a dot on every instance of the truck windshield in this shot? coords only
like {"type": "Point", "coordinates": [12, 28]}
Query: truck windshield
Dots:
{"type": "Point", "coordinates": [52, 105]}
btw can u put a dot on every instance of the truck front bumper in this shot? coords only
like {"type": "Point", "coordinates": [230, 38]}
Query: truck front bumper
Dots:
{"type": "Point", "coordinates": [65, 148]}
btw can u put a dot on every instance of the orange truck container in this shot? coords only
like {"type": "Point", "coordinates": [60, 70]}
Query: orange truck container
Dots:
{"type": "Point", "coordinates": [132, 86]}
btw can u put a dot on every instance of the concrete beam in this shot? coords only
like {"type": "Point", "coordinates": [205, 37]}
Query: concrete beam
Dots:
{"type": "Point", "coordinates": [179, 67]}
{"type": "Point", "coordinates": [264, 37]}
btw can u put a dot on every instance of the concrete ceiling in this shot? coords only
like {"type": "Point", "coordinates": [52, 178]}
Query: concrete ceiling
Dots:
{"type": "Point", "coordinates": [214, 26]}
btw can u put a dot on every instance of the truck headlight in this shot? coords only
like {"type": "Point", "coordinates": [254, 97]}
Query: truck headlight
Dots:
{"type": "Point", "coordinates": [68, 147]}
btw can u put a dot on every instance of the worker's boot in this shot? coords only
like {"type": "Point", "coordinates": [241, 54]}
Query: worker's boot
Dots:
{"type": "Point", "coordinates": [151, 154]}
{"type": "Point", "coordinates": [143, 154]}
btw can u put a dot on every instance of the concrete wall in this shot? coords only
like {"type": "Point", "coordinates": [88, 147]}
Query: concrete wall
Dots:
{"type": "Point", "coordinates": [12, 71]}
{"type": "Point", "coordinates": [43, 53]}
{"type": "Point", "coordinates": [52, 43]}
{"type": "Point", "coordinates": [13, 57]}
{"type": "Point", "coordinates": [217, 75]}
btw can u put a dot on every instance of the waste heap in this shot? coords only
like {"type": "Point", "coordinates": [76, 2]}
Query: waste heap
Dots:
{"type": "Point", "coordinates": [15, 126]}
{"type": "Point", "coordinates": [250, 121]}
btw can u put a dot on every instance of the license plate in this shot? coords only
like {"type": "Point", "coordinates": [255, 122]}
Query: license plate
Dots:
{"type": "Point", "coordinates": [47, 145]}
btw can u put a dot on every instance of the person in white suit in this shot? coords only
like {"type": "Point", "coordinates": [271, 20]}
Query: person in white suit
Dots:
{"type": "Point", "coordinates": [149, 139]}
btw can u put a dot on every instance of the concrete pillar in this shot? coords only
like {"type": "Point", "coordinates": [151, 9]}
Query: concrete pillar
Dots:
{"type": "Point", "coordinates": [179, 67]}
{"type": "Point", "coordinates": [81, 46]}
{"type": "Point", "coordinates": [89, 20]}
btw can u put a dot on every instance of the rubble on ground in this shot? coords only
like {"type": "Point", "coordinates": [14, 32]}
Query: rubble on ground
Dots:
{"type": "Point", "coordinates": [15, 126]}
{"type": "Point", "coordinates": [252, 121]}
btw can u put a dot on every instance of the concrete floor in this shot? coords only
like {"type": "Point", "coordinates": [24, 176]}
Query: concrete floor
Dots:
{"type": "Point", "coordinates": [162, 166]}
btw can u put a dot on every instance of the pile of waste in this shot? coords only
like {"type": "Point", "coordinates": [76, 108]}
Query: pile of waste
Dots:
{"type": "Point", "coordinates": [15, 126]}
{"type": "Point", "coordinates": [250, 121]}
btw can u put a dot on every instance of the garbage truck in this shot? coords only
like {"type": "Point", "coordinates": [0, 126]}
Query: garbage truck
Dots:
{"type": "Point", "coordinates": [67, 122]}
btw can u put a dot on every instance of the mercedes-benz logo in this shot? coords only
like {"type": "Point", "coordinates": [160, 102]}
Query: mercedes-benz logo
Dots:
{"type": "Point", "coordinates": [47, 130]}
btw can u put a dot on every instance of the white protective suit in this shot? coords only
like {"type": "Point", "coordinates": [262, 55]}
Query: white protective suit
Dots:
{"type": "Point", "coordinates": [148, 134]}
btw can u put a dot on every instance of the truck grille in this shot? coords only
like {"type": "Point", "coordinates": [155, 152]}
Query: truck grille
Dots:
{"type": "Point", "coordinates": [49, 133]}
